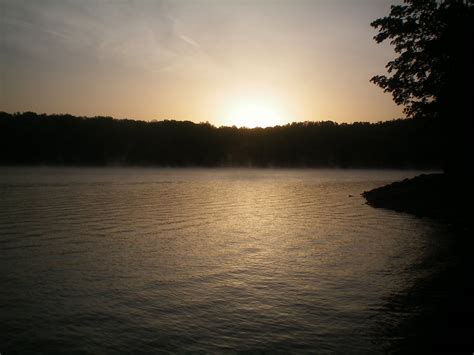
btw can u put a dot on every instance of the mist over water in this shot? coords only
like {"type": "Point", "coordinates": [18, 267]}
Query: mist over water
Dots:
{"type": "Point", "coordinates": [203, 259]}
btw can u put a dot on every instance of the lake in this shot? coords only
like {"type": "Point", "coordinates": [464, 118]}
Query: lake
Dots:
{"type": "Point", "coordinates": [138, 259]}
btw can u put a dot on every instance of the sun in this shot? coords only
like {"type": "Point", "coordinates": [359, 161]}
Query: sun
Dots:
{"type": "Point", "coordinates": [254, 112]}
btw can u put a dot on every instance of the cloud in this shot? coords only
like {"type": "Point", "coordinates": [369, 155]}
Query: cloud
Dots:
{"type": "Point", "coordinates": [189, 41]}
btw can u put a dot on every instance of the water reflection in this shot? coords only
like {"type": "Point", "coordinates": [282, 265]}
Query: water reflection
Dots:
{"type": "Point", "coordinates": [147, 259]}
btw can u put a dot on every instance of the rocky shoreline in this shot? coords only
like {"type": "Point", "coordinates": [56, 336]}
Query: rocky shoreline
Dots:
{"type": "Point", "coordinates": [428, 195]}
{"type": "Point", "coordinates": [447, 328]}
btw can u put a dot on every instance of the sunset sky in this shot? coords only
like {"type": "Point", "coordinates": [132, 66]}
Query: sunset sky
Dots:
{"type": "Point", "coordinates": [228, 62]}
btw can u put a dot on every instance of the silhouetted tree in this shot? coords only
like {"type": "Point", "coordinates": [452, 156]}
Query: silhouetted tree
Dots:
{"type": "Point", "coordinates": [30, 139]}
{"type": "Point", "coordinates": [433, 74]}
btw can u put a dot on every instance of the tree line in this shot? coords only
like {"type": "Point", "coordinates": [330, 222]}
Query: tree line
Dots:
{"type": "Point", "coordinates": [39, 139]}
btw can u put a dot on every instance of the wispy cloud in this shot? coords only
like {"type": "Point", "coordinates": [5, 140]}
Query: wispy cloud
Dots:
{"type": "Point", "coordinates": [189, 41]}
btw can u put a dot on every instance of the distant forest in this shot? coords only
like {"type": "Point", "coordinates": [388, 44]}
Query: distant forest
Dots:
{"type": "Point", "coordinates": [38, 139]}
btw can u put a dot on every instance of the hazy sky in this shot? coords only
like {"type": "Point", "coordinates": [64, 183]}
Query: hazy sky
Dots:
{"type": "Point", "coordinates": [201, 60]}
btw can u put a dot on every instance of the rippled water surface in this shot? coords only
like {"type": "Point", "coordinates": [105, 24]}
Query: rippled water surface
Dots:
{"type": "Point", "coordinates": [189, 259]}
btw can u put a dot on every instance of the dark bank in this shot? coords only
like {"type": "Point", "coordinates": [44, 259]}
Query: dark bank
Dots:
{"type": "Point", "coordinates": [32, 139]}
{"type": "Point", "coordinates": [446, 326]}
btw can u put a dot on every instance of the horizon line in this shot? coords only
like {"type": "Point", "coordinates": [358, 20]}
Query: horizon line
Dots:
{"type": "Point", "coordinates": [200, 122]}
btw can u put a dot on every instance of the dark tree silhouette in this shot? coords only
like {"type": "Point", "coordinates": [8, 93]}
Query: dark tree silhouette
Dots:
{"type": "Point", "coordinates": [31, 139]}
{"type": "Point", "coordinates": [433, 75]}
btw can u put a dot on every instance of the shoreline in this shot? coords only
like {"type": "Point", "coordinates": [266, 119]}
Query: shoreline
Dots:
{"type": "Point", "coordinates": [447, 327]}
{"type": "Point", "coordinates": [435, 195]}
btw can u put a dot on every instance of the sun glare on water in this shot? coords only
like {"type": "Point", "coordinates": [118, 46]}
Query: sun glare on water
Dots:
{"type": "Point", "coordinates": [254, 112]}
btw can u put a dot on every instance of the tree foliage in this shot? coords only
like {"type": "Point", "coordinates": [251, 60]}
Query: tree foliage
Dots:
{"type": "Point", "coordinates": [434, 42]}
{"type": "Point", "coordinates": [32, 139]}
